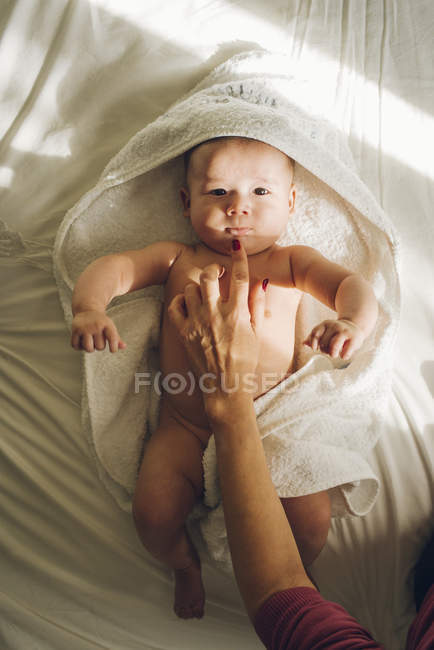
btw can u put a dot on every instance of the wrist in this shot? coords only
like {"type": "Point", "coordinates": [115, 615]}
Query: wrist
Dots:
{"type": "Point", "coordinates": [355, 303]}
{"type": "Point", "coordinates": [228, 410]}
{"type": "Point", "coordinates": [363, 327]}
{"type": "Point", "coordinates": [350, 321]}
{"type": "Point", "coordinates": [79, 307]}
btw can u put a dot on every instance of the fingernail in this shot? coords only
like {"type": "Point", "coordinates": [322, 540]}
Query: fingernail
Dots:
{"type": "Point", "coordinates": [236, 245]}
{"type": "Point", "coordinates": [222, 270]}
{"type": "Point", "coordinates": [264, 283]}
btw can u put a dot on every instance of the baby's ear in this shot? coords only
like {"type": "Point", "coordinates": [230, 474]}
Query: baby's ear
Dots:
{"type": "Point", "coordinates": [185, 198]}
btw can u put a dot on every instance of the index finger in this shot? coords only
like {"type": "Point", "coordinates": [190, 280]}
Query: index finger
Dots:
{"type": "Point", "coordinates": [239, 283]}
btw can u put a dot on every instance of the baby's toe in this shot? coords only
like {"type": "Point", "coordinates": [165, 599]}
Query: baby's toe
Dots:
{"type": "Point", "coordinates": [198, 611]}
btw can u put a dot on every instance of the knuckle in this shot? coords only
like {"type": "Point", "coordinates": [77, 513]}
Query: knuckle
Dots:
{"type": "Point", "coordinates": [172, 308]}
{"type": "Point", "coordinates": [240, 275]}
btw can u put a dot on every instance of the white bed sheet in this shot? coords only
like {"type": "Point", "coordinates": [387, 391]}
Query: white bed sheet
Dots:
{"type": "Point", "coordinates": [77, 79]}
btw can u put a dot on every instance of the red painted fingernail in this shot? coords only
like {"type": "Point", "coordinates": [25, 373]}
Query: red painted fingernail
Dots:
{"type": "Point", "coordinates": [236, 245]}
{"type": "Point", "coordinates": [264, 283]}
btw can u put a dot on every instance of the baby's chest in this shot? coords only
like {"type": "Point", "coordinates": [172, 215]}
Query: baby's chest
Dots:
{"type": "Point", "coordinates": [190, 265]}
{"type": "Point", "coordinates": [276, 335]}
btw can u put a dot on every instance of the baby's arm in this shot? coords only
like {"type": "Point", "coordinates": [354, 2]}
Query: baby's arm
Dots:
{"type": "Point", "coordinates": [110, 276]}
{"type": "Point", "coordinates": [345, 292]}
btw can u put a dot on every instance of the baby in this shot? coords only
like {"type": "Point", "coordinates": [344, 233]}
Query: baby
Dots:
{"type": "Point", "coordinates": [237, 190]}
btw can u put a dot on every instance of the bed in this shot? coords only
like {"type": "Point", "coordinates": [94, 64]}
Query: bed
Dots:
{"type": "Point", "coordinates": [78, 78]}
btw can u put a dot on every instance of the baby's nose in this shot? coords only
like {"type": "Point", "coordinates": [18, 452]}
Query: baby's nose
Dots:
{"type": "Point", "coordinates": [238, 205]}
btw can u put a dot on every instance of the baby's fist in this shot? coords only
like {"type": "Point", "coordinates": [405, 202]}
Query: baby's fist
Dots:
{"type": "Point", "coordinates": [336, 337]}
{"type": "Point", "coordinates": [92, 329]}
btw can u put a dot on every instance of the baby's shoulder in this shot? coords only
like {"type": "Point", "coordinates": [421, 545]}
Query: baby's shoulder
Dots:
{"type": "Point", "coordinates": [288, 261]}
{"type": "Point", "coordinates": [189, 257]}
{"type": "Point", "coordinates": [172, 250]}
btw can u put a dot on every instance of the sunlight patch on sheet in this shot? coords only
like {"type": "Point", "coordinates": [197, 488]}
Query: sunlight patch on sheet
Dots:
{"type": "Point", "coordinates": [406, 136]}
{"type": "Point", "coordinates": [54, 142]}
{"type": "Point", "coordinates": [57, 143]}
{"type": "Point", "coordinates": [358, 110]}
{"type": "Point", "coordinates": [6, 176]}
{"type": "Point", "coordinates": [43, 130]}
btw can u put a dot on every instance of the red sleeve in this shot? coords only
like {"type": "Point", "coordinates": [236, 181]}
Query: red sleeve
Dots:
{"type": "Point", "coordinates": [301, 619]}
{"type": "Point", "coordinates": [421, 632]}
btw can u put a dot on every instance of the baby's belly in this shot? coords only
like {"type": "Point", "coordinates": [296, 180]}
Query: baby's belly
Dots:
{"type": "Point", "coordinates": [183, 391]}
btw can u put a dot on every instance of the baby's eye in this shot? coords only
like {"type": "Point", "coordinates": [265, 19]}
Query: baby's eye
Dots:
{"type": "Point", "coordinates": [261, 191]}
{"type": "Point", "coordinates": [218, 192]}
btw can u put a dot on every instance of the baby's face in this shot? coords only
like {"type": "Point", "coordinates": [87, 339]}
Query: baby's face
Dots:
{"type": "Point", "coordinates": [238, 189]}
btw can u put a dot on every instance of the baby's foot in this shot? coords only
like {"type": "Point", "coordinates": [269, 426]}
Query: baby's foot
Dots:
{"type": "Point", "coordinates": [189, 591]}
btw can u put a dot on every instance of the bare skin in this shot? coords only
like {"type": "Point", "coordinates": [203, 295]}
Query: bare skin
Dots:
{"type": "Point", "coordinates": [225, 200]}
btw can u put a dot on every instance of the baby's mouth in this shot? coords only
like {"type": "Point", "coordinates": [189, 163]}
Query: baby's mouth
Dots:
{"type": "Point", "coordinates": [239, 232]}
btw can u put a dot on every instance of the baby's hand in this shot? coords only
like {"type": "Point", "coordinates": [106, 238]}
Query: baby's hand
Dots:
{"type": "Point", "coordinates": [92, 329]}
{"type": "Point", "coordinates": [336, 337]}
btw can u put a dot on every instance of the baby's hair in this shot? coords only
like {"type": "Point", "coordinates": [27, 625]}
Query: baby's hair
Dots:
{"type": "Point", "coordinates": [187, 154]}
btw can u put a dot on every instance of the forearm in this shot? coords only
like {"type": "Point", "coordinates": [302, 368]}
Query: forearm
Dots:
{"type": "Point", "coordinates": [264, 553]}
{"type": "Point", "coordinates": [355, 301]}
{"type": "Point", "coordinates": [97, 285]}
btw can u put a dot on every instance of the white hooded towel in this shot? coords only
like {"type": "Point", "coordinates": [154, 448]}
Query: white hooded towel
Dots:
{"type": "Point", "coordinates": [319, 425]}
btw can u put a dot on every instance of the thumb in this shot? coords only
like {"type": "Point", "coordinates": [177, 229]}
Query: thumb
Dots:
{"type": "Point", "coordinates": [257, 306]}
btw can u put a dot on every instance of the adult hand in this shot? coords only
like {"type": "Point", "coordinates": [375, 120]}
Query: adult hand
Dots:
{"type": "Point", "coordinates": [221, 338]}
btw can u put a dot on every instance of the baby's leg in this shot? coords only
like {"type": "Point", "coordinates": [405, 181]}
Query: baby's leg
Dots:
{"type": "Point", "coordinates": [309, 517]}
{"type": "Point", "coordinates": [170, 482]}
